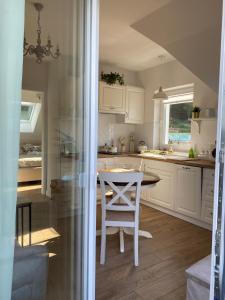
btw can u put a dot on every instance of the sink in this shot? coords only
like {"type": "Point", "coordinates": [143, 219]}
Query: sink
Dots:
{"type": "Point", "coordinates": [175, 156]}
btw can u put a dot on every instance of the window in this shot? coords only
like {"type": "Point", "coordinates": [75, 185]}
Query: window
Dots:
{"type": "Point", "coordinates": [177, 114]}
{"type": "Point", "coordinates": [29, 116]}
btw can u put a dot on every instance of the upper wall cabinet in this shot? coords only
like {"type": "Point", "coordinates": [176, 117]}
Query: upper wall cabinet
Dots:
{"type": "Point", "coordinates": [127, 101]}
{"type": "Point", "coordinates": [135, 98]}
{"type": "Point", "coordinates": [112, 98]}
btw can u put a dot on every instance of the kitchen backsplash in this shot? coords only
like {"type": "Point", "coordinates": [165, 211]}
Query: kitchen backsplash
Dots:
{"type": "Point", "coordinates": [110, 130]}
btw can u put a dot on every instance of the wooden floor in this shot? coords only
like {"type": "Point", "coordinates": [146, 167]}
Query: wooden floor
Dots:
{"type": "Point", "coordinates": [175, 246]}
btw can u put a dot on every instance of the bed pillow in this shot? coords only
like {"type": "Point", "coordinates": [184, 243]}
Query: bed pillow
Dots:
{"type": "Point", "coordinates": [31, 149]}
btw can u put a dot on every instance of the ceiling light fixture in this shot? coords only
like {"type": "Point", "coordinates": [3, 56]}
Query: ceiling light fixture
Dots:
{"type": "Point", "coordinates": [40, 51]}
{"type": "Point", "coordinates": [160, 95]}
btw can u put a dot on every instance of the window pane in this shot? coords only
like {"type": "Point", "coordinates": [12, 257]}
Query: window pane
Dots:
{"type": "Point", "coordinates": [26, 111]}
{"type": "Point", "coordinates": [179, 123]}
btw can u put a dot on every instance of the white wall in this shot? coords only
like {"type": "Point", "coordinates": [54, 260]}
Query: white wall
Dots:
{"type": "Point", "coordinates": [170, 75]}
{"type": "Point", "coordinates": [130, 77]}
{"type": "Point", "coordinates": [111, 130]}
{"type": "Point", "coordinates": [109, 127]}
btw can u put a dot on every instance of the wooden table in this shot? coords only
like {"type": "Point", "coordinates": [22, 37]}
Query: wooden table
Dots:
{"type": "Point", "coordinates": [149, 181]}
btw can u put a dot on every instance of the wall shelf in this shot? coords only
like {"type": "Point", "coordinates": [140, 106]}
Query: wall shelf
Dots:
{"type": "Point", "coordinates": [198, 121]}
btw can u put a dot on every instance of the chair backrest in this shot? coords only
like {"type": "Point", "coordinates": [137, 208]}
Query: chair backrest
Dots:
{"type": "Point", "coordinates": [121, 183]}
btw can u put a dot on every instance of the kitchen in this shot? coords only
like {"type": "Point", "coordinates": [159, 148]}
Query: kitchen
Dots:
{"type": "Point", "coordinates": [192, 176]}
{"type": "Point", "coordinates": [186, 169]}
{"type": "Point", "coordinates": [139, 129]}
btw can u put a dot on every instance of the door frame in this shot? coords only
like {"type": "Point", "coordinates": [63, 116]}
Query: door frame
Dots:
{"type": "Point", "coordinates": [91, 58]}
{"type": "Point", "coordinates": [217, 285]}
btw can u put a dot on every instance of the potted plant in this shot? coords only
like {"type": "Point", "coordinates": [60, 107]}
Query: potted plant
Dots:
{"type": "Point", "coordinates": [196, 112]}
{"type": "Point", "coordinates": [112, 78]}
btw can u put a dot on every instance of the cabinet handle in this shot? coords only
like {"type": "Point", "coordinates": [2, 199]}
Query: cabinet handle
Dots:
{"type": "Point", "coordinates": [112, 107]}
{"type": "Point", "coordinates": [186, 168]}
{"type": "Point", "coordinates": [126, 115]}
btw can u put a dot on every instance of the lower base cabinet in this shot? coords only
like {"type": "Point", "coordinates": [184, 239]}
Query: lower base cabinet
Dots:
{"type": "Point", "coordinates": [208, 195]}
{"type": "Point", "coordinates": [163, 193]}
{"type": "Point", "coordinates": [182, 190]}
{"type": "Point", "coordinates": [188, 191]}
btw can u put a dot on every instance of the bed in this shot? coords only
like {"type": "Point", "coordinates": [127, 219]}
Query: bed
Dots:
{"type": "Point", "coordinates": [30, 164]}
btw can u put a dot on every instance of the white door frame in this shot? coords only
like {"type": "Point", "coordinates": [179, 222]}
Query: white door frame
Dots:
{"type": "Point", "coordinates": [217, 286]}
{"type": "Point", "coordinates": [91, 57]}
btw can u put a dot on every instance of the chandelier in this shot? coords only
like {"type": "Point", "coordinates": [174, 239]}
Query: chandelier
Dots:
{"type": "Point", "coordinates": [40, 51]}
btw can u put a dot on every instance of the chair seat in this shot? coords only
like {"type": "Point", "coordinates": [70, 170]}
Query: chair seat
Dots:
{"type": "Point", "coordinates": [112, 215]}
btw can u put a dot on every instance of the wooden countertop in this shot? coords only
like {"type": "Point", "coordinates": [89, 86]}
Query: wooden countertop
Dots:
{"type": "Point", "coordinates": [201, 163]}
{"type": "Point", "coordinates": [105, 155]}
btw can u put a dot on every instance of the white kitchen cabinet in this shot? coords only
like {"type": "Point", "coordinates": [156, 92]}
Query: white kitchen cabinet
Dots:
{"type": "Point", "coordinates": [120, 161]}
{"type": "Point", "coordinates": [135, 100]}
{"type": "Point", "coordinates": [207, 195]}
{"type": "Point", "coordinates": [163, 193]}
{"type": "Point", "coordinates": [188, 191]}
{"type": "Point", "coordinates": [112, 98]}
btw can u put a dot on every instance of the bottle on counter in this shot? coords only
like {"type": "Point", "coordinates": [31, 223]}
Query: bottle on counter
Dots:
{"type": "Point", "coordinates": [191, 153]}
{"type": "Point", "coordinates": [195, 151]}
{"type": "Point", "coordinates": [131, 144]}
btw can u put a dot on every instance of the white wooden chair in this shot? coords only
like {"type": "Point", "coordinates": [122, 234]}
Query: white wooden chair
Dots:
{"type": "Point", "coordinates": [120, 211]}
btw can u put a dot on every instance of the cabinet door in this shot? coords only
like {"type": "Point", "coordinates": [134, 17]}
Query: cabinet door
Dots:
{"type": "Point", "coordinates": [163, 193]}
{"type": "Point", "coordinates": [207, 195]}
{"type": "Point", "coordinates": [135, 98]}
{"type": "Point", "coordinates": [112, 98]}
{"type": "Point", "coordinates": [129, 162]}
{"type": "Point", "coordinates": [188, 191]}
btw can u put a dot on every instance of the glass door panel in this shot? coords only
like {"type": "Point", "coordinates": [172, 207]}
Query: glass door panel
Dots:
{"type": "Point", "coordinates": [54, 240]}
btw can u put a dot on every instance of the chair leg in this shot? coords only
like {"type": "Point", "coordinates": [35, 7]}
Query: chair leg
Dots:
{"type": "Point", "coordinates": [103, 245]}
{"type": "Point", "coordinates": [136, 262]}
{"type": "Point", "coordinates": [121, 240]}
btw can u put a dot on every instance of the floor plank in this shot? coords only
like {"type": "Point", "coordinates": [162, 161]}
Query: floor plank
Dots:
{"type": "Point", "coordinates": [175, 246]}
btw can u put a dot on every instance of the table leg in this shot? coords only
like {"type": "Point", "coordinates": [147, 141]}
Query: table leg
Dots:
{"type": "Point", "coordinates": [121, 240]}
{"type": "Point", "coordinates": [141, 233]}
{"type": "Point", "coordinates": [22, 225]}
{"type": "Point", "coordinates": [30, 224]}
{"type": "Point", "coordinates": [17, 224]}
{"type": "Point", "coordinates": [109, 231]}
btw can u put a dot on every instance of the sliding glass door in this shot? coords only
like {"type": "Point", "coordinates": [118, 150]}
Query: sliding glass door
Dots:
{"type": "Point", "coordinates": [217, 289]}
{"type": "Point", "coordinates": [47, 243]}
{"type": "Point", "coordinates": [11, 40]}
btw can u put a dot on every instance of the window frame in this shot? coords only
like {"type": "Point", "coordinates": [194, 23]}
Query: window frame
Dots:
{"type": "Point", "coordinates": [35, 99]}
{"type": "Point", "coordinates": [175, 96]}
{"type": "Point", "coordinates": [28, 126]}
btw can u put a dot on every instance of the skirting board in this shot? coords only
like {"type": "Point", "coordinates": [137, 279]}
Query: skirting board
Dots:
{"type": "Point", "coordinates": [174, 214]}
{"type": "Point", "coordinates": [178, 215]}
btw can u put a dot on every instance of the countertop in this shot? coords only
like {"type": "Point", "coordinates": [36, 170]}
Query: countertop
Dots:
{"type": "Point", "coordinates": [105, 155]}
{"type": "Point", "coordinates": [201, 163]}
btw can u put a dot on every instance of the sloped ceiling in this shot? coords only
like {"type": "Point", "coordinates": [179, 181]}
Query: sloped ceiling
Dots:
{"type": "Point", "coordinates": [190, 31]}
{"type": "Point", "coordinates": [120, 44]}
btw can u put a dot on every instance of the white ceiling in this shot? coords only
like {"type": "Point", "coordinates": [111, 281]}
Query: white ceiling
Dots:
{"type": "Point", "coordinates": [120, 44]}
{"type": "Point", "coordinates": [56, 22]}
